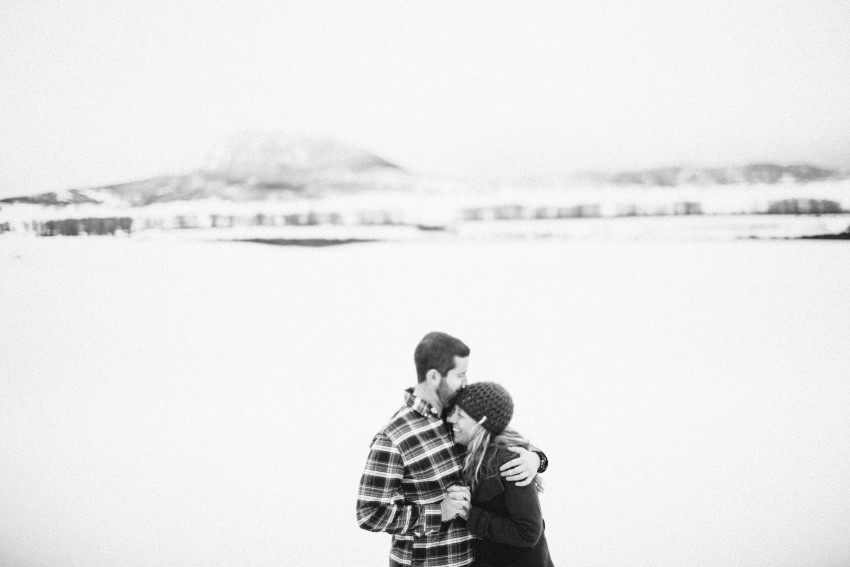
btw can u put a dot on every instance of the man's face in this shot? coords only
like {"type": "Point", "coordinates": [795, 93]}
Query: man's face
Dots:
{"type": "Point", "coordinates": [453, 381]}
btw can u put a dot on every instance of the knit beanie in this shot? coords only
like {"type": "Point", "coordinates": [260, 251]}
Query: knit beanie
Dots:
{"type": "Point", "coordinates": [487, 400]}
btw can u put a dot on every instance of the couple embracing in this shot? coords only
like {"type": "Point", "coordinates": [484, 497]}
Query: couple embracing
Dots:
{"type": "Point", "coordinates": [448, 477]}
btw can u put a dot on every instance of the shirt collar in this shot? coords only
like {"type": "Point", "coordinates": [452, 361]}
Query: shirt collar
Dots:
{"type": "Point", "coordinates": [419, 405]}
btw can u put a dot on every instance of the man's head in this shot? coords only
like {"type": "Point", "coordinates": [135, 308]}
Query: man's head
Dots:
{"type": "Point", "coordinates": [441, 362]}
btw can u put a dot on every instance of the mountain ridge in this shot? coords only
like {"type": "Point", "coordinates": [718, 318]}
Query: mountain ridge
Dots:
{"type": "Point", "coordinates": [749, 174]}
{"type": "Point", "coordinates": [272, 166]}
{"type": "Point", "coordinates": [245, 168]}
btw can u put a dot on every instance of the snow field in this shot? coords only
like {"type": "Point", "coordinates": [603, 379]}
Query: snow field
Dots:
{"type": "Point", "coordinates": [197, 403]}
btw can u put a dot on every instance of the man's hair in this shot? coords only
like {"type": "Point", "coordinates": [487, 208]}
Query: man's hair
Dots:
{"type": "Point", "coordinates": [438, 351]}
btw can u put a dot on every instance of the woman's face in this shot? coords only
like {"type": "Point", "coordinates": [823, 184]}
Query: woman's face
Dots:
{"type": "Point", "coordinates": [463, 426]}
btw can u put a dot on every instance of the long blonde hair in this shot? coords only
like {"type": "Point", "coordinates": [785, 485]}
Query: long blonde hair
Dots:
{"type": "Point", "coordinates": [476, 451]}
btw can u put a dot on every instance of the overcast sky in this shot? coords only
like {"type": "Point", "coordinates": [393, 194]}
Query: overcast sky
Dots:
{"type": "Point", "coordinates": [100, 92]}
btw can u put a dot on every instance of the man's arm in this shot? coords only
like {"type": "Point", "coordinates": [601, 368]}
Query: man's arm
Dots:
{"type": "Point", "coordinates": [381, 506]}
{"type": "Point", "coordinates": [525, 467]}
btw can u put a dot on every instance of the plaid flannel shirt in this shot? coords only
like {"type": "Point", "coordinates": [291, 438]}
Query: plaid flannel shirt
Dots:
{"type": "Point", "coordinates": [412, 462]}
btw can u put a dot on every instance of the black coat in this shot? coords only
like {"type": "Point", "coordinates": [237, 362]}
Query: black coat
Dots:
{"type": "Point", "coordinates": [506, 518]}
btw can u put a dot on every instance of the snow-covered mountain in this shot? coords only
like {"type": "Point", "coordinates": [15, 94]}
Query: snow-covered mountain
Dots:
{"type": "Point", "coordinates": [276, 158]}
{"type": "Point", "coordinates": [756, 173]}
{"type": "Point", "coordinates": [249, 167]}
{"type": "Point", "coordinates": [272, 166]}
{"type": "Point", "coordinates": [270, 182]}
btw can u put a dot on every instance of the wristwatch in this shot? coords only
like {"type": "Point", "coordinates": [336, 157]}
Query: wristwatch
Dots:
{"type": "Point", "coordinates": [544, 462]}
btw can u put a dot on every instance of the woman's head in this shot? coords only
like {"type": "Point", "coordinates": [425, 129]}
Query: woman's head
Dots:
{"type": "Point", "coordinates": [484, 405]}
{"type": "Point", "coordinates": [480, 419]}
{"type": "Point", "coordinates": [464, 427]}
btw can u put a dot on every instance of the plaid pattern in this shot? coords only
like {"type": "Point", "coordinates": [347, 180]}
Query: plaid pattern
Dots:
{"type": "Point", "coordinates": [412, 462]}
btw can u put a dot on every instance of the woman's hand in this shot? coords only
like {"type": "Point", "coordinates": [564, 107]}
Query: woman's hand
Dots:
{"type": "Point", "coordinates": [523, 469]}
{"type": "Point", "coordinates": [456, 503]}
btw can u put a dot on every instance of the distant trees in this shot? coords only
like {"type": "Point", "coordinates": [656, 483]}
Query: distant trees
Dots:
{"type": "Point", "coordinates": [651, 205]}
{"type": "Point", "coordinates": [75, 227]}
{"type": "Point", "coordinates": [804, 207]}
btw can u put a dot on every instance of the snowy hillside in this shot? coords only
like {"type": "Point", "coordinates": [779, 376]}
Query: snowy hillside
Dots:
{"type": "Point", "coordinates": [273, 185]}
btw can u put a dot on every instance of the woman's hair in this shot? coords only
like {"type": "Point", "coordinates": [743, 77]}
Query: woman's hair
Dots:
{"type": "Point", "coordinates": [476, 451]}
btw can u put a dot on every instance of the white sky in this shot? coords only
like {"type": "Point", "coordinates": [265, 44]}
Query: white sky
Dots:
{"type": "Point", "coordinates": [101, 92]}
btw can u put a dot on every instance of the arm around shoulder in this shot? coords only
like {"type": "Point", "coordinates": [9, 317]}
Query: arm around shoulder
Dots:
{"type": "Point", "coordinates": [522, 524]}
{"type": "Point", "coordinates": [526, 465]}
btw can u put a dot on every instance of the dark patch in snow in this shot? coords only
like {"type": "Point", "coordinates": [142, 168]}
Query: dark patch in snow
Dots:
{"type": "Point", "coordinates": [839, 236]}
{"type": "Point", "coordinates": [311, 242]}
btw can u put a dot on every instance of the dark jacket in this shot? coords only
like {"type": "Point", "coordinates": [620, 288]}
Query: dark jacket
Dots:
{"type": "Point", "coordinates": [506, 518]}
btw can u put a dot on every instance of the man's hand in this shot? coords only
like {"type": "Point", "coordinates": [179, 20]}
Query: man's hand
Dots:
{"type": "Point", "coordinates": [523, 469]}
{"type": "Point", "coordinates": [456, 503]}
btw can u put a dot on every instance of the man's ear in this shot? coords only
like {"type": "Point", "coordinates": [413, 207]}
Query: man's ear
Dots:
{"type": "Point", "coordinates": [433, 377]}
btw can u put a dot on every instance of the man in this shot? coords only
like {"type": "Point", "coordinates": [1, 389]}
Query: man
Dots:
{"type": "Point", "coordinates": [411, 485]}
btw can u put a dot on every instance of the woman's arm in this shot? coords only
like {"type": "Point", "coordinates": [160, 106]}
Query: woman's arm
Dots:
{"type": "Point", "coordinates": [522, 526]}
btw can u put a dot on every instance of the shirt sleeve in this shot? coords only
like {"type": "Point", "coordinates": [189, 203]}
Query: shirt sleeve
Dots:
{"type": "Point", "coordinates": [521, 527]}
{"type": "Point", "coordinates": [381, 504]}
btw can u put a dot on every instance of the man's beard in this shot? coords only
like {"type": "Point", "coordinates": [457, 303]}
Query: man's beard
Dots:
{"type": "Point", "coordinates": [445, 395]}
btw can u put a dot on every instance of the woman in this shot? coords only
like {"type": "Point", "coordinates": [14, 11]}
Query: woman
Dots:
{"type": "Point", "coordinates": [505, 518]}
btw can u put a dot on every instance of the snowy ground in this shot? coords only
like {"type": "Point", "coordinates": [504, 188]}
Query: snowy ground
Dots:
{"type": "Point", "coordinates": [192, 403]}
